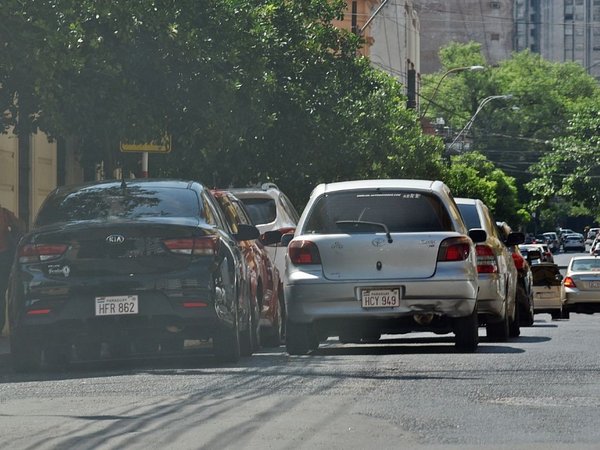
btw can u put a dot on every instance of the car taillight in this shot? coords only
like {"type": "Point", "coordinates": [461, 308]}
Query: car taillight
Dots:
{"type": "Point", "coordinates": [454, 249]}
{"type": "Point", "coordinates": [519, 261]}
{"type": "Point", "coordinates": [304, 252]}
{"type": "Point", "coordinates": [486, 260]}
{"type": "Point", "coordinates": [32, 253]}
{"type": "Point", "coordinates": [569, 282]}
{"type": "Point", "coordinates": [197, 246]}
{"type": "Point", "coordinates": [286, 230]}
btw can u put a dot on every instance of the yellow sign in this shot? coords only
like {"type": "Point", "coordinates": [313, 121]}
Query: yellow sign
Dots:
{"type": "Point", "coordinates": [160, 146]}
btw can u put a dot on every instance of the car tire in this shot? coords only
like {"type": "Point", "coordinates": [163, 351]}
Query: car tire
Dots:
{"type": "Point", "coordinates": [514, 326]}
{"type": "Point", "coordinates": [556, 315]}
{"type": "Point", "coordinates": [300, 338]}
{"type": "Point", "coordinates": [273, 336]}
{"type": "Point", "coordinates": [466, 333]}
{"type": "Point", "coordinates": [526, 307]}
{"type": "Point", "coordinates": [498, 331]}
{"type": "Point", "coordinates": [26, 357]}
{"type": "Point", "coordinates": [564, 314]}
{"type": "Point", "coordinates": [249, 338]}
{"type": "Point", "coordinates": [227, 344]}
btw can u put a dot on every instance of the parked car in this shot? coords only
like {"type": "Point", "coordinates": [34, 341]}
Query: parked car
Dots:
{"type": "Point", "coordinates": [547, 281]}
{"type": "Point", "coordinates": [380, 256]}
{"type": "Point", "coordinates": [591, 235]}
{"type": "Point", "coordinates": [265, 284]}
{"type": "Point", "coordinates": [270, 209]}
{"type": "Point", "coordinates": [595, 247]}
{"type": "Point", "coordinates": [496, 302]}
{"type": "Point", "coordinates": [525, 301]}
{"type": "Point", "coordinates": [581, 285]}
{"type": "Point", "coordinates": [573, 242]}
{"type": "Point", "coordinates": [545, 253]}
{"type": "Point", "coordinates": [553, 242]}
{"type": "Point", "coordinates": [116, 268]}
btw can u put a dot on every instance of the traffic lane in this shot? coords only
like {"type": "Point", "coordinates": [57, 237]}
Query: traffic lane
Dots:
{"type": "Point", "coordinates": [541, 388]}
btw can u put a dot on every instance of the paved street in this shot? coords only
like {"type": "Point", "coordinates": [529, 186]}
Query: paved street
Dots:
{"type": "Point", "coordinates": [541, 390]}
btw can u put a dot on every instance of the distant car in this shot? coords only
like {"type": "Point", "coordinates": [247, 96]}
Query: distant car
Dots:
{"type": "Point", "coordinates": [591, 235]}
{"type": "Point", "coordinates": [524, 280]}
{"type": "Point", "coordinates": [545, 253]}
{"type": "Point", "coordinates": [573, 242]}
{"type": "Point", "coordinates": [553, 242]}
{"type": "Point", "coordinates": [381, 256]}
{"type": "Point", "coordinates": [547, 290]}
{"type": "Point", "coordinates": [270, 210]}
{"type": "Point", "coordinates": [496, 301]}
{"type": "Point", "coordinates": [581, 285]}
{"type": "Point", "coordinates": [265, 285]}
{"type": "Point", "coordinates": [117, 268]}
{"type": "Point", "coordinates": [595, 247]}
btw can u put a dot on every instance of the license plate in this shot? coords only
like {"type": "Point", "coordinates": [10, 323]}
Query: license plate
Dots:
{"type": "Point", "coordinates": [116, 305]}
{"type": "Point", "coordinates": [380, 298]}
{"type": "Point", "coordinates": [594, 284]}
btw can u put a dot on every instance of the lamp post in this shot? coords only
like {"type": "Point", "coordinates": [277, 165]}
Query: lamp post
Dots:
{"type": "Point", "coordinates": [448, 72]}
{"type": "Point", "coordinates": [469, 124]}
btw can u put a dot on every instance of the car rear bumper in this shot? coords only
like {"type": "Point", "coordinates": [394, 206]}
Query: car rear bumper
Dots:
{"type": "Point", "coordinates": [582, 301]}
{"type": "Point", "coordinates": [490, 300]}
{"type": "Point", "coordinates": [309, 302]}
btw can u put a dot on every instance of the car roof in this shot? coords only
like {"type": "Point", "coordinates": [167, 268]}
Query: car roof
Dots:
{"type": "Point", "coordinates": [421, 185]}
{"type": "Point", "coordinates": [146, 182]}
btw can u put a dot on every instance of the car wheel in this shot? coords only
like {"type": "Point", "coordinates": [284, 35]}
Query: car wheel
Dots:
{"type": "Point", "coordinates": [525, 303]}
{"type": "Point", "coordinates": [514, 327]}
{"type": "Point", "coordinates": [249, 338]}
{"type": "Point", "coordinates": [564, 314]}
{"type": "Point", "coordinates": [498, 331]}
{"type": "Point", "coordinates": [556, 315]}
{"type": "Point", "coordinates": [273, 336]}
{"type": "Point", "coordinates": [26, 357]}
{"type": "Point", "coordinates": [227, 344]}
{"type": "Point", "coordinates": [300, 338]}
{"type": "Point", "coordinates": [466, 332]}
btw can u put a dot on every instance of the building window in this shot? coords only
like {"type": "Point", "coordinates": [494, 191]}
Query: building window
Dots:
{"type": "Point", "coordinates": [495, 36]}
{"type": "Point", "coordinates": [495, 5]}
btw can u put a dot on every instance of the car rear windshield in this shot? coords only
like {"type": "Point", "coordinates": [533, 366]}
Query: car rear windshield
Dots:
{"type": "Point", "coordinates": [399, 211]}
{"type": "Point", "coordinates": [261, 210]}
{"type": "Point", "coordinates": [106, 203]}
{"type": "Point", "coordinates": [470, 215]}
{"type": "Point", "coordinates": [585, 265]}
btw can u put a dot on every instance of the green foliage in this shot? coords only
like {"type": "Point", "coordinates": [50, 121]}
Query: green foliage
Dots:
{"type": "Point", "coordinates": [250, 90]}
{"type": "Point", "coordinates": [472, 175]}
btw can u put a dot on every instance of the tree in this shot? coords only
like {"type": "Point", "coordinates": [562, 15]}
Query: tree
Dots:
{"type": "Point", "coordinates": [472, 175]}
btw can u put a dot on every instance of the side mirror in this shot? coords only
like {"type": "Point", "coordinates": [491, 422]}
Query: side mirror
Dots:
{"type": "Point", "coordinates": [246, 232]}
{"type": "Point", "coordinates": [477, 235]}
{"type": "Point", "coordinates": [271, 237]}
{"type": "Point", "coordinates": [515, 238]}
{"type": "Point", "coordinates": [286, 239]}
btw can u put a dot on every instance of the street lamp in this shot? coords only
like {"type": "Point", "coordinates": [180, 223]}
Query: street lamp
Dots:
{"type": "Point", "coordinates": [469, 124]}
{"type": "Point", "coordinates": [448, 72]}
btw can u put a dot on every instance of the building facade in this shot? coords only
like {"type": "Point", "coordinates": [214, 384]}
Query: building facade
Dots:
{"type": "Point", "coordinates": [560, 30]}
{"type": "Point", "coordinates": [489, 22]}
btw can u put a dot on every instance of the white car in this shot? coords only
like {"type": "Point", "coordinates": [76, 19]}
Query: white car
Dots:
{"type": "Point", "coordinates": [547, 290]}
{"type": "Point", "coordinates": [581, 285]}
{"type": "Point", "coordinates": [270, 210]}
{"type": "Point", "coordinates": [573, 242]}
{"type": "Point", "coordinates": [376, 257]}
{"type": "Point", "coordinates": [496, 301]}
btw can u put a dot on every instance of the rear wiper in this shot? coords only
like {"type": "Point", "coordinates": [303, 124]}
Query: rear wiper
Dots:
{"type": "Point", "coordinates": [355, 224]}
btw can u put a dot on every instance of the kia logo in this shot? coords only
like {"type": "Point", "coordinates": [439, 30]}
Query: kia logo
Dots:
{"type": "Point", "coordinates": [115, 239]}
{"type": "Point", "coordinates": [378, 242]}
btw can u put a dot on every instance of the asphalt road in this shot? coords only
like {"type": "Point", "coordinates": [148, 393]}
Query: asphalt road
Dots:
{"type": "Point", "coordinates": [541, 390]}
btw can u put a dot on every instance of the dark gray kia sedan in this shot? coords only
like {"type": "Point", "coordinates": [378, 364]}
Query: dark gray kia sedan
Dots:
{"type": "Point", "coordinates": [116, 268]}
{"type": "Point", "coordinates": [374, 257]}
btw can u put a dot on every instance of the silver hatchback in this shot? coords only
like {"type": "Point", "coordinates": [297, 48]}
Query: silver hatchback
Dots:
{"type": "Point", "coordinates": [381, 256]}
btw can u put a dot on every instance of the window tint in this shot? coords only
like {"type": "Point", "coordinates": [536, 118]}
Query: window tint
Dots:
{"type": "Point", "coordinates": [229, 212]}
{"type": "Point", "coordinates": [470, 216]}
{"type": "Point", "coordinates": [261, 210]}
{"type": "Point", "coordinates": [289, 208]}
{"type": "Point", "coordinates": [109, 203]}
{"type": "Point", "coordinates": [586, 265]}
{"type": "Point", "coordinates": [400, 211]}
